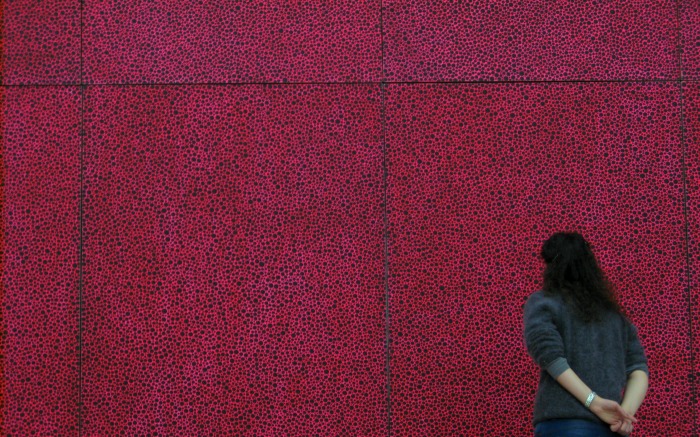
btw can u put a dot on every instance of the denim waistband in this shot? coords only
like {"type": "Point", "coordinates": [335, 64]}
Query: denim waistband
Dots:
{"type": "Point", "coordinates": [573, 428]}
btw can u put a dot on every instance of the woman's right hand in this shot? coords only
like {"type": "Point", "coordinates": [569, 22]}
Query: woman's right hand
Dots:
{"type": "Point", "coordinates": [622, 427]}
{"type": "Point", "coordinates": [613, 414]}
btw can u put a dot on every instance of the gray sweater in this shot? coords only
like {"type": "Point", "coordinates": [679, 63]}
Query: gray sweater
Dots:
{"type": "Point", "coordinates": [602, 354]}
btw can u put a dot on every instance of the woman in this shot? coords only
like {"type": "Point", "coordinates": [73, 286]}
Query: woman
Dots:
{"type": "Point", "coordinates": [587, 349]}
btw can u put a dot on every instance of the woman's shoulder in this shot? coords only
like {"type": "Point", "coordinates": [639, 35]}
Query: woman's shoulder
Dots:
{"type": "Point", "coordinates": [541, 296]}
{"type": "Point", "coordinates": [541, 300]}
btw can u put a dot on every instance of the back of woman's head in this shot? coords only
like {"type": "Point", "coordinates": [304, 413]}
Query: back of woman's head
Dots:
{"type": "Point", "coordinates": [572, 272]}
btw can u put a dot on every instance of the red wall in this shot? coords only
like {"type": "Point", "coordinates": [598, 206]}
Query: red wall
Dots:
{"type": "Point", "coordinates": [324, 218]}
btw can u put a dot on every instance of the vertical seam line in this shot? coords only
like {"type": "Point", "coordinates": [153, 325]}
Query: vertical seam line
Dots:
{"type": "Point", "coordinates": [80, 265]}
{"type": "Point", "coordinates": [684, 171]}
{"type": "Point", "coordinates": [387, 333]}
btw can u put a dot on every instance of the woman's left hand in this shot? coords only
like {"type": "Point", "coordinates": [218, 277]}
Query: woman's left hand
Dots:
{"type": "Point", "coordinates": [611, 412]}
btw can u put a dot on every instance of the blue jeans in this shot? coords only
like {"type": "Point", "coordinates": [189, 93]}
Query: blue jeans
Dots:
{"type": "Point", "coordinates": [573, 428]}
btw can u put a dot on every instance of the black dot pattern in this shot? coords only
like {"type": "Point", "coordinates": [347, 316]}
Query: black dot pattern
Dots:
{"type": "Point", "coordinates": [193, 41]}
{"type": "Point", "coordinates": [249, 247]}
{"type": "Point", "coordinates": [40, 42]}
{"type": "Point", "coordinates": [691, 98]}
{"type": "Point", "coordinates": [159, 41]}
{"type": "Point", "coordinates": [234, 261]}
{"type": "Point", "coordinates": [480, 175]}
{"type": "Point", "coordinates": [690, 32]}
{"type": "Point", "coordinates": [40, 237]}
{"type": "Point", "coordinates": [486, 41]}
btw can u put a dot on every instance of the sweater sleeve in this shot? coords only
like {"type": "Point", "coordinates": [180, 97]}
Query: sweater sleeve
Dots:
{"type": "Point", "coordinates": [635, 358]}
{"type": "Point", "coordinates": [542, 338]}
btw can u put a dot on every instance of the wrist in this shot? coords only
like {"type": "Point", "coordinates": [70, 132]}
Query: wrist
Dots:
{"type": "Point", "coordinates": [595, 403]}
{"type": "Point", "coordinates": [628, 409]}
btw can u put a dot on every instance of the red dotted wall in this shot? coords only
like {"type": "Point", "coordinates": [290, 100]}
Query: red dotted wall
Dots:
{"type": "Point", "coordinates": [281, 218]}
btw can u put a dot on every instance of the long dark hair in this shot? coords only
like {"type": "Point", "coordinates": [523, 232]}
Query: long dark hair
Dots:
{"type": "Point", "coordinates": [573, 272]}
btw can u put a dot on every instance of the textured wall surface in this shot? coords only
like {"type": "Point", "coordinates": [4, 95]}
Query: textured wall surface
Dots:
{"type": "Point", "coordinates": [286, 218]}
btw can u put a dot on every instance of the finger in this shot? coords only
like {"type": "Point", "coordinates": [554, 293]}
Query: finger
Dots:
{"type": "Point", "coordinates": [615, 426]}
{"type": "Point", "coordinates": [626, 414]}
